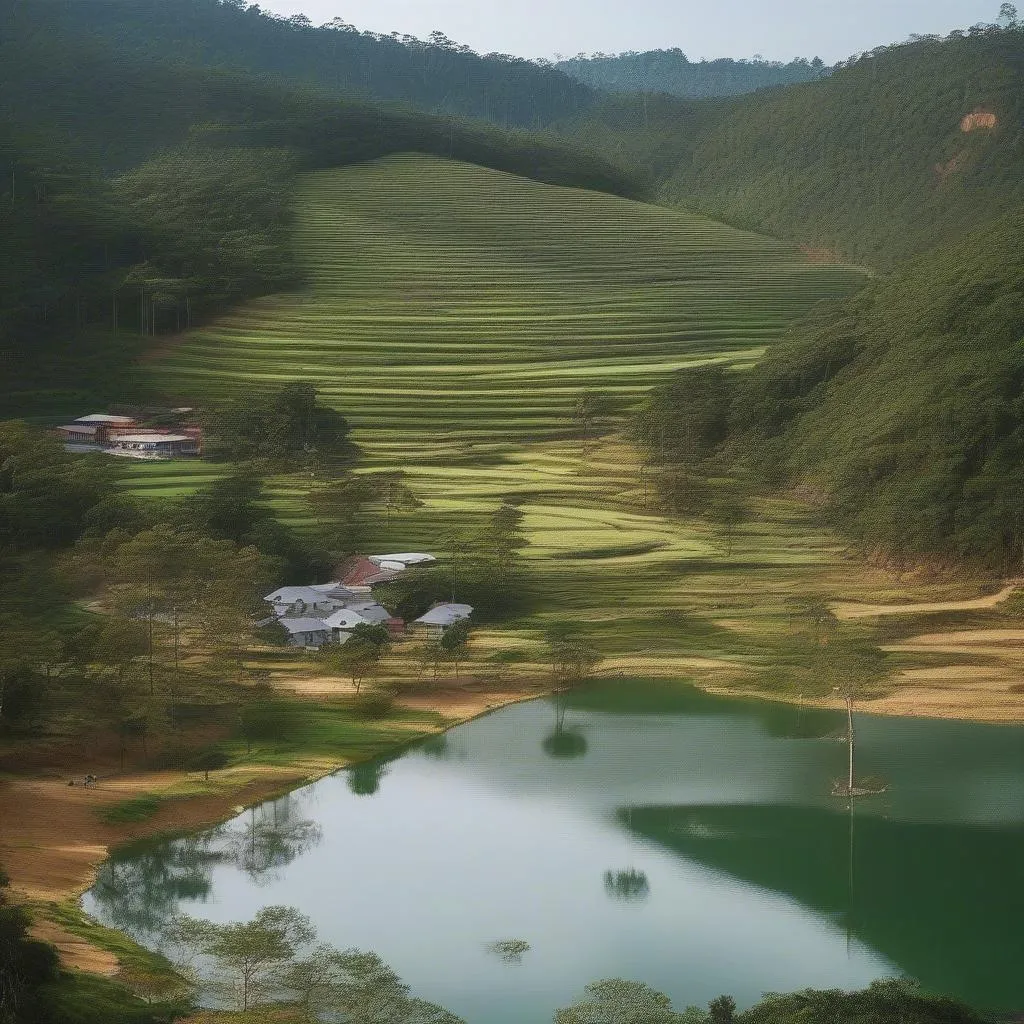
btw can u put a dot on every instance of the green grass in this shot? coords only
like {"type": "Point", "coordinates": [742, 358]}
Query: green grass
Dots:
{"type": "Point", "coordinates": [139, 808]}
{"type": "Point", "coordinates": [453, 313]}
{"type": "Point", "coordinates": [131, 956]}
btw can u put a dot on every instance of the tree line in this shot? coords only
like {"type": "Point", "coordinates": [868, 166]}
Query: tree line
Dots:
{"type": "Point", "coordinates": [273, 968]}
{"type": "Point", "coordinates": [670, 71]}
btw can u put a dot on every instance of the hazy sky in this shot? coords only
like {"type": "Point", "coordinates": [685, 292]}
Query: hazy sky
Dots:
{"type": "Point", "coordinates": [780, 29]}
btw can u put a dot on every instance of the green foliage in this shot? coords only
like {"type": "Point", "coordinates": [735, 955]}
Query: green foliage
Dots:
{"type": "Point", "coordinates": [139, 808]}
{"type": "Point", "coordinates": [33, 989]}
{"type": "Point", "coordinates": [248, 957]}
{"type": "Point", "coordinates": [871, 161]}
{"type": "Point", "coordinates": [669, 71]}
{"type": "Point", "coordinates": [235, 507]}
{"type": "Point", "coordinates": [882, 1002]}
{"type": "Point", "coordinates": [46, 495]}
{"type": "Point", "coordinates": [922, 376]}
{"type": "Point", "coordinates": [436, 74]}
{"type": "Point", "coordinates": [288, 426]}
{"type": "Point", "coordinates": [687, 419]}
{"type": "Point", "coordinates": [616, 1001]}
{"type": "Point", "coordinates": [271, 959]}
{"type": "Point", "coordinates": [217, 221]}
{"type": "Point", "coordinates": [630, 1002]}
{"type": "Point", "coordinates": [374, 704]}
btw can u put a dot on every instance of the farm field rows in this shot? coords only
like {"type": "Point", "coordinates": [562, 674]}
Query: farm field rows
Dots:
{"type": "Point", "coordinates": [454, 313]}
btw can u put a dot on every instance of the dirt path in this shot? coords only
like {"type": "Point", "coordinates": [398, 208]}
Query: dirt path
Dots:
{"type": "Point", "coordinates": [856, 610]}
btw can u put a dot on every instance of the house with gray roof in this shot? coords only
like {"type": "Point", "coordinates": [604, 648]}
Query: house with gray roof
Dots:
{"type": "Point", "coordinates": [306, 632]}
{"type": "Point", "coordinates": [303, 601]}
{"type": "Point", "coordinates": [440, 618]}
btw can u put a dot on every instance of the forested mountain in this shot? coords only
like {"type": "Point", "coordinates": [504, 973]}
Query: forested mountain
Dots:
{"type": "Point", "coordinates": [905, 404]}
{"type": "Point", "coordinates": [671, 72]}
{"type": "Point", "coordinates": [902, 406]}
{"type": "Point", "coordinates": [435, 75]}
{"type": "Point", "coordinates": [900, 150]}
{"type": "Point", "coordinates": [140, 193]}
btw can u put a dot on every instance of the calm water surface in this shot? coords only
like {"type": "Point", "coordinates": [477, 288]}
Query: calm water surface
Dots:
{"type": "Point", "coordinates": [644, 831]}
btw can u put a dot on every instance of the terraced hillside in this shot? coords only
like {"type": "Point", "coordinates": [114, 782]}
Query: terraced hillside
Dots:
{"type": "Point", "coordinates": [454, 313]}
{"type": "Point", "coordinates": [445, 298]}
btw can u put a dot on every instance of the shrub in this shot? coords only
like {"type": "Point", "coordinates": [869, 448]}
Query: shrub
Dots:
{"type": "Point", "coordinates": [373, 704]}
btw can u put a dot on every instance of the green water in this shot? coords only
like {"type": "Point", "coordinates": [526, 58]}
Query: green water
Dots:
{"type": "Point", "coordinates": [649, 832]}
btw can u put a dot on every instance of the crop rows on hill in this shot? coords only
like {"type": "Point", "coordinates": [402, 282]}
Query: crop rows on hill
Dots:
{"type": "Point", "coordinates": [455, 313]}
{"type": "Point", "coordinates": [445, 297]}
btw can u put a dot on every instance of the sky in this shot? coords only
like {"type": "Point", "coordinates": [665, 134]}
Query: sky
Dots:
{"type": "Point", "coordinates": [776, 29]}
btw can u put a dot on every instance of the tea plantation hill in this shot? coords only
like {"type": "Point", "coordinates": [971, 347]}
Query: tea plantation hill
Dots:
{"type": "Point", "coordinates": [455, 313]}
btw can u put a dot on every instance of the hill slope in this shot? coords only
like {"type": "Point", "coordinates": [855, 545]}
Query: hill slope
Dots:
{"type": "Point", "coordinates": [900, 151]}
{"type": "Point", "coordinates": [455, 314]}
{"type": "Point", "coordinates": [905, 404]}
{"type": "Point", "coordinates": [448, 297]}
{"type": "Point", "coordinates": [433, 75]}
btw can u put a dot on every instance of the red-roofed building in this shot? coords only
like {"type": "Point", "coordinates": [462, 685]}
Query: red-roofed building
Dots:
{"type": "Point", "coordinates": [359, 571]}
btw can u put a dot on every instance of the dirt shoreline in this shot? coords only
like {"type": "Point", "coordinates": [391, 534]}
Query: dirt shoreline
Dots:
{"type": "Point", "coordinates": [53, 838]}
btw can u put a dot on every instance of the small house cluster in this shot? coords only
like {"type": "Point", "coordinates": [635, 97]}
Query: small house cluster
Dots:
{"type": "Point", "coordinates": [124, 436]}
{"type": "Point", "coordinates": [323, 613]}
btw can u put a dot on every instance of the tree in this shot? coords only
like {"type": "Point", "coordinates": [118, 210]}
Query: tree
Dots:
{"type": "Point", "coordinates": [589, 407]}
{"type": "Point", "coordinates": [248, 957]}
{"type": "Point", "coordinates": [722, 1010]}
{"type": "Point", "coordinates": [288, 426]}
{"type": "Point", "coordinates": [504, 538]}
{"type": "Point", "coordinates": [360, 988]}
{"type": "Point", "coordinates": [454, 642]}
{"type": "Point", "coordinates": [573, 661]}
{"type": "Point", "coordinates": [617, 1001]}
{"type": "Point", "coordinates": [729, 508]}
{"type": "Point", "coordinates": [25, 964]}
{"type": "Point", "coordinates": [357, 658]}
{"type": "Point", "coordinates": [1007, 16]}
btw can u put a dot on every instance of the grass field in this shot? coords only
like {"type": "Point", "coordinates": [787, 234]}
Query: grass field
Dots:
{"type": "Point", "coordinates": [454, 313]}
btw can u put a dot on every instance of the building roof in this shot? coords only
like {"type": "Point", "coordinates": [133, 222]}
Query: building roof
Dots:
{"type": "Point", "coordinates": [291, 595]}
{"type": "Point", "coordinates": [345, 618]}
{"type": "Point", "coordinates": [358, 570]}
{"type": "Point", "coordinates": [334, 590]}
{"type": "Point", "coordinates": [151, 437]}
{"type": "Point", "coordinates": [80, 428]}
{"type": "Point", "coordinates": [370, 610]}
{"type": "Point", "coordinates": [402, 560]}
{"type": "Point", "coordinates": [102, 418]}
{"type": "Point", "coordinates": [445, 615]}
{"type": "Point", "coordinates": [304, 625]}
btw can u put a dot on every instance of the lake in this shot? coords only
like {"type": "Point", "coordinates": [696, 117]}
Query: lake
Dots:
{"type": "Point", "coordinates": [637, 830]}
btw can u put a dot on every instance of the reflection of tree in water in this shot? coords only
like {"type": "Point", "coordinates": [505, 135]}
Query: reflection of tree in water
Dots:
{"type": "Point", "coordinates": [270, 837]}
{"type": "Point", "coordinates": [563, 742]}
{"type": "Point", "coordinates": [627, 885]}
{"type": "Point", "coordinates": [364, 779]}
{"type": "Point", "coordinates": [436, 746]}
{"type": "Point", "coordinates": [139, 890]}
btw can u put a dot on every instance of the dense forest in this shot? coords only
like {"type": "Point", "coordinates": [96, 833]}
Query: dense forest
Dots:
{"type": "Point", "coordinates": [435, 74]}
{"type": "Point", "coordinates": [669, 71]}
{"type": "Point", "coordinates": [141, 193]}
{"type": "Point", "coordinates": [900, 407]}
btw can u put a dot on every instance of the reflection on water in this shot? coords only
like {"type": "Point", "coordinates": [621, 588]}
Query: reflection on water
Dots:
{"type": "Point", "coordinates": [639, 831]}
{"type": "Point", "coordinates": [142, 886]}
{"type": "Point", "coordinates": [627, 885]}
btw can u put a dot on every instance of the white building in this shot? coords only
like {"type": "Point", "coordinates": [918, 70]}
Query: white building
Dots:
{"type": "Point", "coordinates": [441, 617]}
